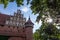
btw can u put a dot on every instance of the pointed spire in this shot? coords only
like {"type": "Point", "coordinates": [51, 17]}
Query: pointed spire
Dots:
{"type": "Point", "coordinates": [29, 22]}
{"type": "Point", "coordinates": [29, 18]}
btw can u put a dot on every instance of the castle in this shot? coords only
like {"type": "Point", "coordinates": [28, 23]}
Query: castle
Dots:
{"type": "Point", "coordinates": [15, 27]}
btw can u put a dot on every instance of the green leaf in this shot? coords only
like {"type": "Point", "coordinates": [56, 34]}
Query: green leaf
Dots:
{"type": "Point", "coordinates": [19, 2]}
{"type": "Point", "coordinates": [11, 0]}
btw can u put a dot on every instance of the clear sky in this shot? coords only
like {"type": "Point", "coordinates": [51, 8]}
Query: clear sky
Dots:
{"type": "Point", "coordinates": [26, 11]}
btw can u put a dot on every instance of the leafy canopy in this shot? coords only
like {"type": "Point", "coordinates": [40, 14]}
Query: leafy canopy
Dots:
{"type": "Point", "coordinates": [41, 7]}
{"type": "Point", "coordinates": [46, 32]}
{"type": "Point", "coordinates": [5, 2]}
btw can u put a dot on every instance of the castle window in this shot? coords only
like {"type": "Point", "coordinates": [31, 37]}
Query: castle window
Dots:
{"type": "Point", "coordinates": [7, 22]}
{"type": "Point", "coordinates": [17, 23]}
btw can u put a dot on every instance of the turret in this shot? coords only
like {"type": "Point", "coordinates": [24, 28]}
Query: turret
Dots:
{"type": "Point", "coordinates": [29, 23]}
{"type": "Point", "coordinates": [29, 30]}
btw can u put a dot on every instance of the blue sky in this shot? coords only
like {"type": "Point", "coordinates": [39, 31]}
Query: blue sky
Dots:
{"type": "Point", "coordinates": [26, 11]}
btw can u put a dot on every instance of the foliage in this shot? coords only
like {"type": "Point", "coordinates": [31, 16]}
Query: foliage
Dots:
{"type": "Point", "coordinates": [18, 2]}
{"type": "Point", "coordinates": [41, 7]}
{"type": "Point", "coordinates": [36, 35]}
{"type": "Point", "coordinates": [46, 32]}
{"type": "Point", "coordinates": [5, 2]}
{"type": "Point", "coordinates": [48, 8]}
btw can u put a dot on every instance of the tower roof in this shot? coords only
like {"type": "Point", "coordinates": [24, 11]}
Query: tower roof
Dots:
{"type": "Point", "coordinates": [29, 21]}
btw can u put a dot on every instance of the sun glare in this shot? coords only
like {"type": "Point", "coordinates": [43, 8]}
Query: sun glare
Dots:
{"type": "Point", "coordinates": [49, 20]}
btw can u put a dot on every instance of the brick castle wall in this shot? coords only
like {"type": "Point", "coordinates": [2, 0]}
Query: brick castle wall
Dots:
{"type": "Point", "coordinates": [17, 33]}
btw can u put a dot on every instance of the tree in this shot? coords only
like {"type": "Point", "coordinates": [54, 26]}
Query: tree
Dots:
{"type": "Point", "coordinates": [41, 7]}
{"type": "Point", "coordinates": [48, 8]}
{"type": "Point", "coordinates": [5, 2]}
{"type": "Point", "coordinates": [46, 32]}
{"type": "Point", "coordinates": [36, 35]}
{"type": "Point", "coordinates": [18, 2]}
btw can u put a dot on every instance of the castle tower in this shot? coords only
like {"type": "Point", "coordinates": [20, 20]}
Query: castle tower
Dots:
{"type": "Point", "coordinates": [29, 30]}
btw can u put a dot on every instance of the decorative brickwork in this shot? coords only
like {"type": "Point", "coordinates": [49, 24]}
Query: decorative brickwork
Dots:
{"type": "Point", "coordinates": [16, 27]}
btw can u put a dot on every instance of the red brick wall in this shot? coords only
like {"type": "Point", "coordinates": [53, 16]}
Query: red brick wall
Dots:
{"type": "Point", "coordinates": [29, 33]}
{"type": "Point", "coordinates": [26, 33]}
{"type": "Point", "coordinates": [23, 33]}
{"type": "Point", "coordinates": [16, 38]}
